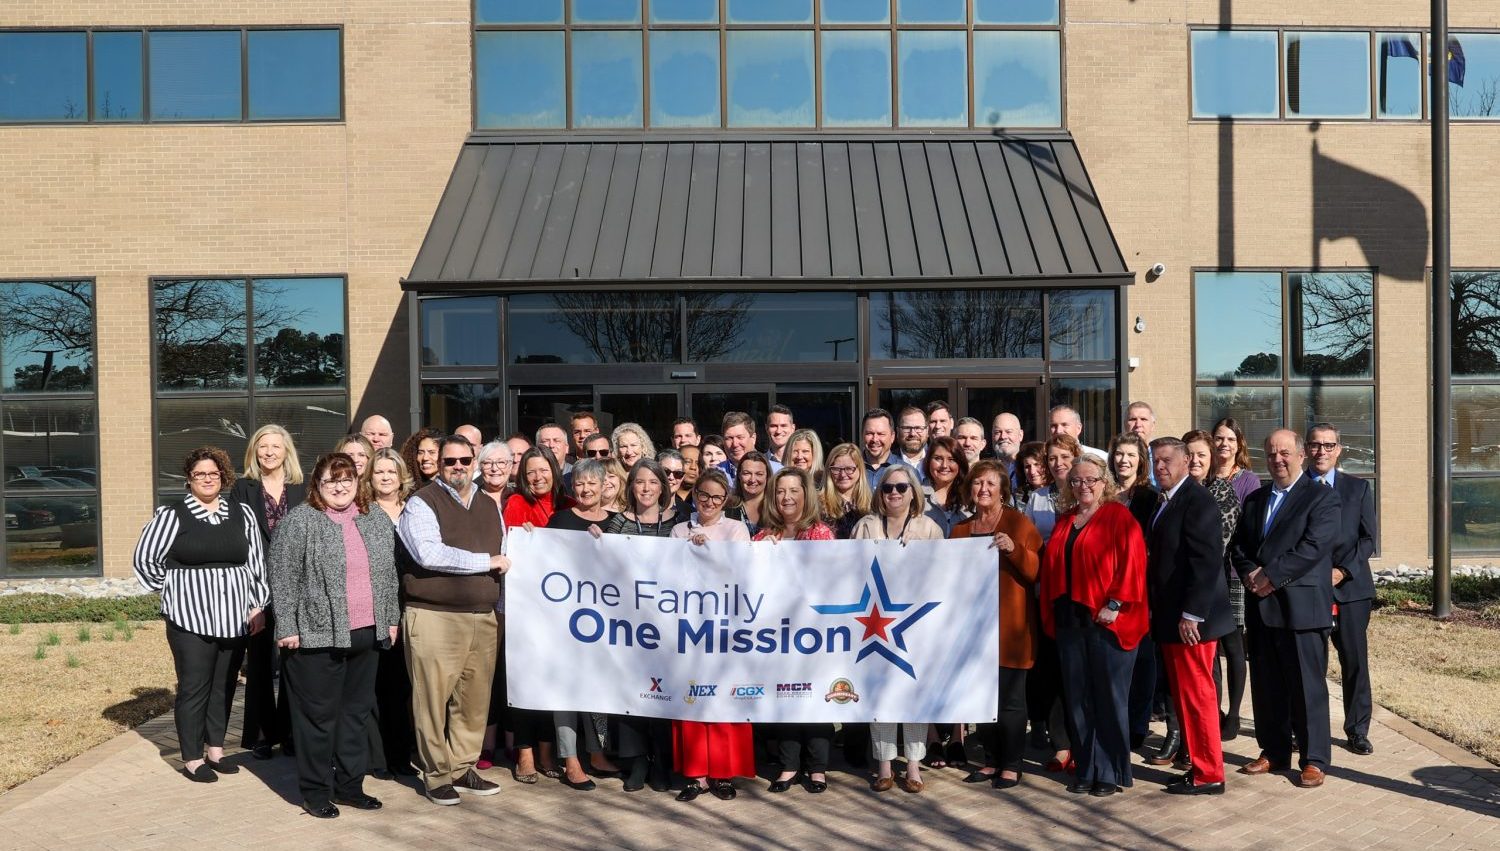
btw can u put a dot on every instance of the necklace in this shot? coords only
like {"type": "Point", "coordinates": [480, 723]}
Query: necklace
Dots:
{"type": "Point", "coordinates": [999, 512]}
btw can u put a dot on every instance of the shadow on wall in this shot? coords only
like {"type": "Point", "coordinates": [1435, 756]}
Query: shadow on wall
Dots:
{"type": "Point", "coordinates": [1388, 220]}
{"type": "Point", "coordinates": [388, 390]}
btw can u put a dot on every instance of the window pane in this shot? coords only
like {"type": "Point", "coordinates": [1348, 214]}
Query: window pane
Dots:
{"type": "Point", "coordinates": [1398, 81]}
{"type": "Point", "coordinates": [955, 324]}
{"type": "Point", "coordinates": [43, 77]}
{"type": "Point", "coordinates": [294, 74]}
{"type": "Point", "coordinates": [708, 409]}
{"type": "Point", "coordinates": [460, 331]}
{"type": "Point", "coordinates": [1327, 75]}
{"type": "Point", "coordinates": [931, 12]}
{"type": "Point", "coordinates": [771, 327]}
{"type": "Point", "coordinates": [1476, 325]}
{"type": "Point", "coordinates": [518, 79]}
{"type": "Point", "coordinates": [1017, 79]}
{"type": "Point", "coordinates": [445, 407]}
{"type": "Point", "coordinates": [856, 79]}
{"type": "Point", "coordinates": [51, 536]}
{"type": "Point", "coordinates": [653, 412]}
{"type": "Point", "coordinates": [554, 405]}
{"type": "Point", "coordinates": [117, 76]}
{"type": "Point", "coordinates": [47, 336]}
{"type": "Point", "coordinates": [598, 327]}
{"type": "Point", "coordinates": [316, 422]}
{"type": "Point", "coordinates": [183, 423]}
{"type": "Point", "coordinates": [1097, 402]}
{"type": "Point", "coordinates": [770, 79]}
{"type": "Point", "coordinates": [1351, 409]}
{"type": "Point", "coordinates": [1257, 409]}
{"type": "Point", "coordinates": [1336, 332]}
{"type": "Point", "coordinates": [1234, 74]}
{"type": "Point", "coordinates": [1081, 325]}
{"type": "Point", "coordinates": [606, 11]}
{"type": "Point", "coordinates": [827, 411]}
{"type": "Point", "coordinates": [855, 12]}
{"type": "Point", "coordinates": [52, 443]}
{"type": "Point", "coordinates": [299, 332]}
{"type": "Point", "coordinates": [684, 79]}
{"type": "Point", "coordinates": [1479, 72]}
{"type": "Point", "coordinates": [518, 11]}
{"type": "Point", "coordinates": [195, 76]}
{"type": "Point", "coordinates": [770, 11]}
{"type": "Point", "coordinates": [607, 79]}
{"type": "Point", "coordinates": [1476, 427]}
{"type": "Point", "coordinates": [1238, 325]}
{"type": "Point", "coordinates": [684, 11]}
{"type": "Point", "coordinates": [934, 78]}
{"type": "Point", "coordinates": [200, 334]}
{"type": "Point", "coordinates": [1015, 11]}
{"type": "Point", "coordinates": [1476, 514]}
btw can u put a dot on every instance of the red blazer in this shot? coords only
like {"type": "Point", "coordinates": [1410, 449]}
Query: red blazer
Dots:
{"type": "Point", "coordinates": [1109, 562]}
{"type": "Point", "coordinates": [519, 511]}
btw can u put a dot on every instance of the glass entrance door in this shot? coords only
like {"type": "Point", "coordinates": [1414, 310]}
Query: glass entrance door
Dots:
{"type": "Point", "coordinates": [652, 407]}
{"type": "Point", "coordinates": [980, 398]}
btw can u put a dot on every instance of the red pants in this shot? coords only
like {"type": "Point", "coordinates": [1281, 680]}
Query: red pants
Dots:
{"type": "Point", "coordinates": [718, 750]}
{"type": "Point", "coordinates": [1191, 673]}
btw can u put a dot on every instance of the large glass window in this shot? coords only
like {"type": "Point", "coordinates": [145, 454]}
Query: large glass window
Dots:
{"type": "Point", "coordinates": [518, 79]}
{"type": "Point", "coordinates": [771, 327]}
{"type": "Point", "coordinates": [1398, 75]}
{"type": "Point", "coordinates": [1234, 74]}
{"type": "Point", "coordinates": [233, 354]}
{"type": "Point", "coordinates": [1017, 79]}
{"type": "Point", "coordinates": [118, 67]}
{"type": "Point", "coordinates": [43, 76]}
{"type": "Point", "coordinates": [584, 327]}
{"type": "Point", "coordinates": [462, 331]}
{"type": "Point", "coordinates": [49, 433]}
{"type": "Point", "coordinates": [607, 79]}
{"type": "Point", "coordinates": [1474, 75]}
{"type": "Point", "coordinates": [1081, 325]}
{"type": "Point", "coordinates": [770, 78]}
{"type": "Point", "coordinates": [934, 72]}
{"type": "Point", "coordinates": [293, 74]}
{"type": "Point", "coordinates": [685, 79]}
{"type": "Point", "coordinates": [856, 79]}
{"type": "Point", "coordinates": [1288, 349]}
{"type": "Point", "coordinates": [1476, 410]}
{"type": "Point", "coordinates": [1327, 74]}
{"type": "Point", "coordinates": [195, 76]}
{"type": "Point", "coordinates": [956, 324]}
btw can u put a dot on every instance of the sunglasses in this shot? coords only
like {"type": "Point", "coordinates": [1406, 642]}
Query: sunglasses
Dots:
{"type": "Point", "coordinates": [457, 462]}
{"type": "Point", "coordinates": [896, 487]}
{"type": "Point", "coordinates": [675, 474]}
{"type": "Point", "coordinates": [596, 453]}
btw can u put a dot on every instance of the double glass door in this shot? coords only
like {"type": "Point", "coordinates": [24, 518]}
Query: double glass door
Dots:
{"type": "Point", "coordinates": [980, 398]}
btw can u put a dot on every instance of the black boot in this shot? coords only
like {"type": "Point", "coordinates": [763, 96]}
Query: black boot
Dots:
{"type": "Point", "coordinates": [1168, 749]}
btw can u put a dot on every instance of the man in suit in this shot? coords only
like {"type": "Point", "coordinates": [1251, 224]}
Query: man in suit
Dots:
{"type": "Point", "coordinates": [1283, 553]}
{"type": "Point", "coordinates": [1189, 609]}
{"type": "Point", "coordinates": [1353, 584]}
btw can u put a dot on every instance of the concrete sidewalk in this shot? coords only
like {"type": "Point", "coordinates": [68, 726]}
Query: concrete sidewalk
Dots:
{"type": "Point", "coordinates": [1417, 791]}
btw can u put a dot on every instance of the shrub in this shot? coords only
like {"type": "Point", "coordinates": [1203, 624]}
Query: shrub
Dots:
{"type": "Point", "coordinates": [73, 661]}
{"type": "Point", "coordinates": [53, 639]}
{"type": "Point", "coordinates": [55, 608]}
{"type": "Point", "coordinates": [15, 626]}
{"type": "Point", "coordinates": [41, 651]}
{"type": "Point", "coordinates": [84, 634]}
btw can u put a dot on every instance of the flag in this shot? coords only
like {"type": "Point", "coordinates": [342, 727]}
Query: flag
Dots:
{"type": "Point", "coordinates": [1398, 46]}
{"type": "Point", "coordinates": [1456, 62]}
{"type": "Point", "coordinates": [1294, 77]}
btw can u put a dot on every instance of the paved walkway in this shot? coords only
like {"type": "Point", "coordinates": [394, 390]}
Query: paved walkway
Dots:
{"type": "Point", "coordinates": [1417, 791]}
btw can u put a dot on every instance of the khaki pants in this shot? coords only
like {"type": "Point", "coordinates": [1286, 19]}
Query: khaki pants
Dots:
{"type": "Point", "coordinates": [451, 656]}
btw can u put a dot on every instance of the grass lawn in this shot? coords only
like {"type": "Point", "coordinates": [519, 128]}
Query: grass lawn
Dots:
{"type": "Point", "coordinates": [59, 699]}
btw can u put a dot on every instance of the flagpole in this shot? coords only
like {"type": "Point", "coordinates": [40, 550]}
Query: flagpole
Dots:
{"type": "Point", "coordinates": [1442, 333]}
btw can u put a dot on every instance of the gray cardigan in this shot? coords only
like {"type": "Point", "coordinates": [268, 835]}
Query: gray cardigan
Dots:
{"type": "Point", "coordinates": [307, 572]}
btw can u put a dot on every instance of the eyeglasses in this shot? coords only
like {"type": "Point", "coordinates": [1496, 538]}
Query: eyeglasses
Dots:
{"type": "Point", "coordinates": [914, 428]}
{"type": "Point", "coordinates": [895, 487]}
{"type": "Point", "coordinates": [709, 499]}
{"type": "Point", "coordinates": [597, 453]}
{"type": "Point", "coordinates": [494, 465]}
{"type": "Point", "coordinates": [204, 476]}
{"type": "Point", "coordinates": [675, 474]}
{"type": "Point", "coordinates": [843, 471]}
{"type": "Point", "coordinates": [458, 462]}
{"type": "Point", "coordinates": [336, 483]}
{"type": "Point", "coordinates": [1322, 447]}
{"type": "Point", "coordinates": [1085, 482]}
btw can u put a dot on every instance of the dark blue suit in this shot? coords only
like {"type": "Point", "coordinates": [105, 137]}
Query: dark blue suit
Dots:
{"type": "Point", "coordinates": [1288, 628]}
{"type": "Point", "coordinates": [1355, 596]}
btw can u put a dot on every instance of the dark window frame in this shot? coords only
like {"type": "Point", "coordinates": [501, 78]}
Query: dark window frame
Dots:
{"type": "Point", "coordinates": [90, 116]}
{"type": "Point", "coordinates": [1470, 381]}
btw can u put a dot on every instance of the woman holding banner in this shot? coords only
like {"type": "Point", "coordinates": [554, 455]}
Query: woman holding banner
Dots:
{"type": "Point", "coordinates": [794, 516]}
{"type": "Point", "coordinates": [1020, 546]}
{"type": "Point", "coordinates": [846, 490]}
{"type": "Point", "coordinates": [709, 754]}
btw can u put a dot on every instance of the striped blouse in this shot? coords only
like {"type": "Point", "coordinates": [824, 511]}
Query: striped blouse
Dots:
{"type": "Point", "coordinates": [205, 601]}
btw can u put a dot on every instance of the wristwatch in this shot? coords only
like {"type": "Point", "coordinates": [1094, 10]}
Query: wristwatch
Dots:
{"type": "Point", "coordinates": [1113, 605]}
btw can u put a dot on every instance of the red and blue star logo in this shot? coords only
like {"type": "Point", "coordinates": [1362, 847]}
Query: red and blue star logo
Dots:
{"type": "Point", "coordinates": [879, 626]}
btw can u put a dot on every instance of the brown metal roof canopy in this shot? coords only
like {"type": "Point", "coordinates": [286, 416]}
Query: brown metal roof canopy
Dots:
{"type": "Point", "coordinates": [769, 212]}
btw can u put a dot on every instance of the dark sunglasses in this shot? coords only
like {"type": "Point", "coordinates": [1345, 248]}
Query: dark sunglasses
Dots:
{"type": "Point", "coordinates": [454, 462]}
{"type": "Point", "coordinates": [675, 474]}
{"type": "Point", "coordinates": [898, 487]}
{"type": "Point", "coordinates": [596, 453]}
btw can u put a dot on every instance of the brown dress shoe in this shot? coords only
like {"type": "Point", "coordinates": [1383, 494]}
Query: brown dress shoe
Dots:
{"type": "Point", "coordinates": [1261, 765]}
{"type": "Point", "coordinates": [883, 784]}
{"type": "Point", "coordinates": [910, 785]}
{"type": "Point", "coordinates": [1311, 777]}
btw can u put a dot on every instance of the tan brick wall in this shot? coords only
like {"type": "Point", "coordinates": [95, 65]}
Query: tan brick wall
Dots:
{"type": "Point", "coordinates": [121, 204]}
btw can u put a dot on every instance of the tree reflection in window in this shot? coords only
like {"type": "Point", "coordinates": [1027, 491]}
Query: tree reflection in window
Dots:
{"type": "Point", "coordinates": [1476, 324]}
{"type": "Point", "coordinates": [1333, 324]}
{"type": "Point", "coordinates": [938, 325]}
{"type": "Point", "coordinates": [607, 327]}
{"type": "Point", "coordinates": [47, 329]}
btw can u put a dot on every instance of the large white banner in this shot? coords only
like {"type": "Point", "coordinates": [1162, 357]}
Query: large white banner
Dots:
{"type": "Point", "coordinates": [762, 632]}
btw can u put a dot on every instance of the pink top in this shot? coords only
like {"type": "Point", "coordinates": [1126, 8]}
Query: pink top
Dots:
{"type": "Point", "coordinates": [357, 588]}
{"type": "Point", "coordinates": [818, 531]}
{"type": "Point", "coordinates": [726, 529]}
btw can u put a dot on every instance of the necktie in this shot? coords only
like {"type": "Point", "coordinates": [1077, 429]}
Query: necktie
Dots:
{"type": "Point", "coordinates": [1277, 497]}
{"type": "Point", "coordinates": [1163, 498]}
{"type": "Point", "coordinates": [1327, 481]}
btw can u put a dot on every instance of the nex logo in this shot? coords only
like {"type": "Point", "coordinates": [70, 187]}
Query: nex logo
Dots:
{"type": "Point", "coordinates": [702, 691]}
{"type": "Point", "coordinates": [656, 684]}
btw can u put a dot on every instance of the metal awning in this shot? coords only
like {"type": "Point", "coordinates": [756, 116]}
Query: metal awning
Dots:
{"type": "Point", "coordinates": [522, 212]}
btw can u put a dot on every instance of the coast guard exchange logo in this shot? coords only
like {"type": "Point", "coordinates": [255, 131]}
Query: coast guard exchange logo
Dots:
{"type": "Point", "coordinates": [879, 626]}
{"type": "Point", "coordinates": [841, 691]}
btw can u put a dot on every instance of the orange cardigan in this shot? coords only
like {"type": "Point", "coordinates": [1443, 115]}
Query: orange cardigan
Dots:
{"type": "Point", "coordinates": [1018, 572]}
{"type": "Point", "coordinates": [1109, 561]}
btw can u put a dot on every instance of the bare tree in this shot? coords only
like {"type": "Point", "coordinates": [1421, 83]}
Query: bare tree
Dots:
{"type": "Point", "coordinates": [946, 324]}
{"type": "Point", "coordinates": [55, 317]}
{"type": "Point", "coordinates": [643, 327]}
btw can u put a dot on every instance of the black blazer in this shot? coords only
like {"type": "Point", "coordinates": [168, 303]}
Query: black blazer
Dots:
{"type": "Point", "coordinates": [1356, 541]}
{"type": "Point", "coordinates": [250, 493]}
{"type": "Point", "coordinates": [1185, 566]}
{"type": "Point", "coordinates": [1297, 553]}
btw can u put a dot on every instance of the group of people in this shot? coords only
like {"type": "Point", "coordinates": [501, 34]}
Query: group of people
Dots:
{"type": "Point", "coordinates": [376, 587]}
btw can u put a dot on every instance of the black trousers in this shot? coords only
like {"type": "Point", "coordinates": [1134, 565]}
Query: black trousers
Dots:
{"type": "Point", "coordinates": [333, 693]}
{"type": "Point", "coordinates": [1143, 680]}
{"type": "Point", "coordinates": [792, 739]}
{"type": "Point", "coordinates": [1288, 692]}
{"type": "Point", "coordinates": [1096, 686]}
{"type": "Point", "coordinates": [1352, 644]}
{"type": "Point", "coordinates": [1044, 690]}
{"type": "Point", "coordinates": [1005, 740]}
{"type": "Point", "coordinates": [205, 683]}
{"type": "Point", "coordinates": [267, 714]}
{"type": "Point", "coordinates": [531, 727]}
{"type": "Point", "coordinates": [397, 735]}
{"type": "Point", "coordinates": [1236, 669]}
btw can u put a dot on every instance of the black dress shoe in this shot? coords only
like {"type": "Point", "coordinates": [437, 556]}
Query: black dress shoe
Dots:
{"type": "Point", "coordinates": [320, 810]}
{"type": "Point", "coordinates": [1006, 782]}
{"type": "Point", "coordinates": [586, 785]}
{"type": "Point", "coordinates": [359, 802]}
{"type": "Point", "coordinates": [779, 786]}
{"type": "Point", "coordinates": [723, 790]}
{"type": "Point", "coordinates": [382, 774]}
{"type": "Point", "coordinates": [222, 767]}
{"type": "Point", "coordinates": [201, 774]}
{"type": "Point", "coordinates": [1103, 790]}
{"type": "Point", "coordinates": [1361, 745]}
{"type": "Point", "coordinates": [1079, 787]}
{"type": "Point", "coordinates": [817, 787]}
{"type": "Point", "coordinates": [981, 777]}
{"type": "Point", "coordinates": [261, 751]}
{"type": "Point", "coordinates": [1191, 788]}
{"type": "Point", "coordinates": [690, 792]}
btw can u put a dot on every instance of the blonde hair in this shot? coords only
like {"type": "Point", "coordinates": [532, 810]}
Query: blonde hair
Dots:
{"type": "Point", "coordinates": [833, 504]}
{"type": "Point", "coordinates": [613, 467]}
{"type": "Point", "coordinates": [1067, 500]}
{"type": "Point", "coordinates": [408, 483]}
{"type": "Point", "coordinates": [291, 465]}
{"type": "Point", "coordinates": [648, 449]}
{"type": "Point", "coordinates": [917, 503]}
{"type": "Point", "coordinates": [810, 437]}
{"type": "Point", "coordinates": [770, 517]}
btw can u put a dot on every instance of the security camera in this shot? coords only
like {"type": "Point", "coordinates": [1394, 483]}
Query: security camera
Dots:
{"type": "Point", "coordinates": [1158, 270]}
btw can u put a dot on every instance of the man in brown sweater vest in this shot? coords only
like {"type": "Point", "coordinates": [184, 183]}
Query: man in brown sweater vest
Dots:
{"type": "Point", "coordinates": [451, 583]}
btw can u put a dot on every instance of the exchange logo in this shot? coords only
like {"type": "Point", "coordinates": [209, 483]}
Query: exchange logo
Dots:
{"type": "Point", "coordinates": [794, 690]}
{"type": "Point", "coordinates": [748, 691]}
{"type": "Point", "coordinates": [697, 690]}
{"type": "Point", "coordinates": [841, 691]}
{"type": "Point", "coordinates": [657, 691]}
